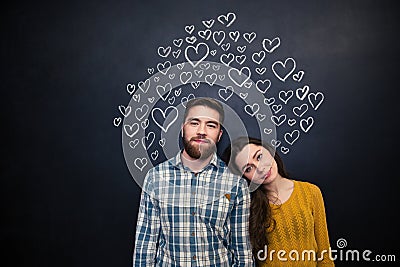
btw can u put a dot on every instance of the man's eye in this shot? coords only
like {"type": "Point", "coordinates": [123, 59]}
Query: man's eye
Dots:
{"type": "Point", "coordinates": [259, 157]}
{"type": "Point", "coordinates": [212, 126]}
{"type": "Point", "coordinates": [194, 123]}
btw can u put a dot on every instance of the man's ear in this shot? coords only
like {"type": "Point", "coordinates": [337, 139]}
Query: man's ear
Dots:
{"type": "Point", "coordinates": [220, 134]}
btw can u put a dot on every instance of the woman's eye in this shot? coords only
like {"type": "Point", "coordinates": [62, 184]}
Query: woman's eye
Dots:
{"type": "Point", "coordinates": [248, 169]}
{"type": "Point", "coordinates": [259, 157]}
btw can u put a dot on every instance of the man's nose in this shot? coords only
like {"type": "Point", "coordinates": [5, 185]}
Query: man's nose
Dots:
{"type": "Point", "coordinates": [201, 130]}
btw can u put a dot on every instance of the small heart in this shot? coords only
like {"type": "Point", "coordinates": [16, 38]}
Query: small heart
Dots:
{"type": "Point", "coordinates": [156, 79]}
{"type": "Point", "coordinates": [133, 143]}
{"type": "Point", "coordinates": [162, 142]}
{"type": "Point", "coordinates": [154, 155]}
{"type": "Point", "coordinates": [275, 143]}
{"type": "Point", "coordinates": [267, 131]}
{"type": "Point", "coordinates": [171, 100]}
{"type": "Point", "coordinates": [178, 92]}
{"type": "Point", "coordinates": [261, 117]}
{"type": "Point", "coordinates": [291, 122]}
{"type": "Point", "coordinates": [151, 99]}
{"type": "Point", "coordinates": [284, 150]}
{"type": "Point", "coordinates": [243, 95]}
{"type": "Point", "coordinates": [117, 121]}
{"type": "Point", "coordinates": [130, 88]}
{"type": "Point", "coordinates": [213, 52]}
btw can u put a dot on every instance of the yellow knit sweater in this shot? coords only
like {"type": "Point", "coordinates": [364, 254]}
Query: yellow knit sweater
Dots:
{"type": "Point", "coordinates": [300, 230]}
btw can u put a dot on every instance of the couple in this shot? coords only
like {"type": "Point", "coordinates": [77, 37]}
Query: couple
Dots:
{"type": "Point", "coordinates": [194, 211]}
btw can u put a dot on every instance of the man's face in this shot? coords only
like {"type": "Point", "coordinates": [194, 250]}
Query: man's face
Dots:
{"type": "Point", "coordinates": [201, 132]}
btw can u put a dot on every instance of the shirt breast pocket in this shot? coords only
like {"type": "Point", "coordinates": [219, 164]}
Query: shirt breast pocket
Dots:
{"type": "Point", "coordinates": [215, 213]}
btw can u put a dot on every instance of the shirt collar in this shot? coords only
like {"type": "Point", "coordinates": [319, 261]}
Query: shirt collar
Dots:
{"type": "Point", "coordinates": [177, 160]}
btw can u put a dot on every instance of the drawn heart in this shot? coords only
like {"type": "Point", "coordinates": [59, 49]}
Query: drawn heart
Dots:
{"type": "Point", "coordinates": [284, 150]}
{"type": "Point", "coordinates": [140, 163]}
{"type": "Point", "coordinates": [221, 77]}
{"type": "Point", "coordinates": [148, 140]}
{"type": "Point", "coordinates": [278, 120]}
{"type": "Point", "coordinates": [240, 59]}
{"type": "Point", "coordinates": [208, 23]}
{"type": "Point", "coordinates": [261, 117]}
{"type": "Point", "coordinates": [298, 76]}
{"type": "Point", "coordinates": [218, 37]}
{"type": "Point", "coordinates": [186, 99]}
{"type": "Point", "coordinates": [185, 77]}
{"type": "Point", "coordinates": [136, 98]}
{"type": "Point", "coordinates": [162, 142]}
{"type": "Point", "coordinates": [117, 121]}
{"type": "Point", "coordinates": [275, 143]}
{"type": "Point", "coordinates": [226, 46]}
{"type": "Point", "coordinates": [195, 84]}
{"type": "Point", "coordinates": [164, 67]}
{"type": "Point", "coordinates": [290, 138]}
{"type": "Point", "coordinates": [206, 34]}
{"type": "Point", "coordinates": [299, 111]}
{"type": "Point", "coordinates": [241, 49]}
{"type": "Point", "coordinates": [144, 124]}
{"type": "Point", "coordinates": [141, 112]}
{"type": "Point", "coordinates": [248, 84]}
{"type": "Point", "coordinates": [267, 131]}
{"type": "Point", "coordinates": [198, 73]}
{"type": "Point", "coordinates": [201, 50]}
{"type": "Point", "coordinates": [252, 109]}
{"type": "Point", "coordinates": [258, 57]}
{"type": "Point", "coordinates": [213, 52]}
{"type": "Point", "coordinates": [261, 71]}
{"type": "Point", "coordinates": [164, 52]}
{"type": "Point", "coordinates": [177, 42]}
{"type": "Point", "coordinates": [210, 79]}
{"type": "Point", "coordinates": [269, 101]}
{"type": "Point", "coordinates": [150, 70]}
{"type": "Point", "coordinates": [130, 88]}
{"type": "Point", "coordinates": [154, 155]}
{"type": "Point", "coordinates": [225, 93]}
{"type": "Point", "coordinates": [263, 85]}
{"type": "Point", "coordinates": [178, 92]}
{"type": "Point", "coordinates": [283, 70]}
{"type": "Point", "coordinates": [144, 86]}
{"type": "Point", "coordinates": [291, 122]}
{"type": "Point", "coordinates": [174, 115]}
{"type": "Point", "coordinates": [234, 36]}
{"type": "Point", "coordinates": [171, 76]}
{"type": "Point", "coordinates": [205, 66]}
{"type": "Point", "coordinates": [227, 59]}
{"type": "Point", "coordinates": [306, 124]}
{"type": "Point", "coordinates": [131, 130]}
{"type": "Point", "coordinates": [285, 96]}
{"type": "Point", "coordinates": [191, 39]}
{"type": "Point", "coordinates": [276, 108]}
{"type": "Point", "coordinates": [164, 91]}
{"type": "Point", "coordinates": [239, 77]}
{"type": "Point", "coordinates": [249, 37]}
{"type": "Point", "coordinates": [180, 65]}
{"type": "Point", "coordinates": [243, 95]}
{"type": "Point", "coordinates": [125, 111]}
{"type": "Point", "coordinates": [133, 143]}
{"type": "Point", "coordinates": [228, 19]}
{"type": "Point", "coordinates": [216, 67]}
{"type": "Point", "coordinates": [189, 29]}
{"type": "Point", "coordinates": [315, 99]}
{"type": "Point", "coordinates": [151, 99]}
{"type": "Point", "coordinates": [176, 53]}
{"type": "Point", "coordinates": [269, 45]}
{"type": "Point", "coordinates": [301, 93]}
{"type": "Point", "coordinates": [171, 100]}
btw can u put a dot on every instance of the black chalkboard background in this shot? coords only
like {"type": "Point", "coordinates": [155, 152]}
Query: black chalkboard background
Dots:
{"type": "Point", "coordinates": [67, 197]}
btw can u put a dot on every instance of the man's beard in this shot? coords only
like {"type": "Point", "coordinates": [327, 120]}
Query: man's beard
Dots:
{"type": "Point", "coordinates": [199, 151]}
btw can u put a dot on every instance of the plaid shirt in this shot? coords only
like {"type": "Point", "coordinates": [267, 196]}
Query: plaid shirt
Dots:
{"type": "Point", "coordinates": [188, 219]}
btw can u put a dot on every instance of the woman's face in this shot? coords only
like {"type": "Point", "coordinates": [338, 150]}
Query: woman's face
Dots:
{"type": "Point", "coordinates": [257, 164]}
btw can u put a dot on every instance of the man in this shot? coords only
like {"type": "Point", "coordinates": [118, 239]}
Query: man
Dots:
{"type": "Point", "coordinates": [193, 211]}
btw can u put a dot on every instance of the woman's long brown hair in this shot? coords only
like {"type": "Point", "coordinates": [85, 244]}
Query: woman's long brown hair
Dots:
{"type": "Point", "coordinates": [260, 211]}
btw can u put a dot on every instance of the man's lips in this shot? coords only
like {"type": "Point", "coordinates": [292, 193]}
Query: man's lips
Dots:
{"type": "Point", "coordinates": [200, 141]}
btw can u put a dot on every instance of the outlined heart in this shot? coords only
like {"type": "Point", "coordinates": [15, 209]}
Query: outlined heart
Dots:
{"type": "Point", "coordinates": [226, 93]}
{"type": "Point", "coordinates": [299, 111]}
{"type": "Point", "coordinates": [306, 124]}
{"type": "Point", "coordinates": [164, 52]}
{"type": "Point", "coordinates": [290, 138]}
{"type": "Point", "coordinates": [131, 130]}
{"type": "Point", "coordinates": [285, 96]}
{"type": "Point", "coordinates": [185, 77]}
{"type": "Point", "coordinates": [227, 59]}
{"type": "Point", "coordinates": [252, 109]}
{"type": "Point", "coordinates": [148, 140]}
{"type": "Point", "coordinates": [227, 19]}
{"type": "Point", "coordinates": [173, 112]}
{"type": "Point", "coordinates": [141, 112]}
{"type": "Point", "coordinates": [130, 87]}
{"type": "Point", "coordinates": [140, 163]}
{"type": "Point", "coordinates": [164, 91]}
{"type": "Point", "coordinates": [117, 121]}
{"type": "Point", "coordinates": [315, 99]}
{"type": "Point", "coordinates": [239, 77]}
{"type": "Point", "coordinates": [218, 37]}
{"type": "Point", "coordinates": [164, 67]}
{"type": "Point", "coordinates": [202, 55]}
{"type": "Point", "coordinates": [211, 78]}
{"type": "Point", "coordinates": [133, 143]}
{"type": "Point", "coordinates": [125, 111]}
{"type": "Point", "coordinates": [278, 120]}
{"type": "Point", "coordinates": [269, 45]}
{"type": "Point", "coordinates": [284, 70]}
{"type": "Point", "coordinates": [301, 93]}
{"type": "Point", "coordinates": [263, 85]}
{"type": "Point", "coordinates": [258, 57]}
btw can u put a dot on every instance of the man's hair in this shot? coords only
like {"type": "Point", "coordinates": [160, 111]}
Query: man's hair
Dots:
{"type": "Point", "coordinates": [207, 102]}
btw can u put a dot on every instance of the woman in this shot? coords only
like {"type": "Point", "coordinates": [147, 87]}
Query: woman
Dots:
{"type": "Point", "coordinates": [285, 214]}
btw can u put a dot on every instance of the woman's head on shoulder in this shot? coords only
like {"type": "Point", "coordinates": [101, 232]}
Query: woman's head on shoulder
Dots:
{"type": "Point", "coordinates": [255, 160]}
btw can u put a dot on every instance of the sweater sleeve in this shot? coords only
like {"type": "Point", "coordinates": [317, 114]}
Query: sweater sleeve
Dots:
{"type": "Point", "coordinates": [321, 229]}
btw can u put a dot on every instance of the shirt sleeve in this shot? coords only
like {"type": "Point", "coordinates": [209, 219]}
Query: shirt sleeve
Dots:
{"type": "Point", "coordinates": [240, 241]}
{"type": "Point", "coordinates": [147, 228]}
{"type": "Point", "coordinates": [321, 230]}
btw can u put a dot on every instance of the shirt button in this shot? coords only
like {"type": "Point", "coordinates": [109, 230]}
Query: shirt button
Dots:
{"type": "Point", "coordinates": [193, 213]}
{"type": "Point", "coordinates": [194, 257]}
{"type": "Point", "coordinates": [192, 233]}
{"type": "Point", "coordinates": [193, 193]}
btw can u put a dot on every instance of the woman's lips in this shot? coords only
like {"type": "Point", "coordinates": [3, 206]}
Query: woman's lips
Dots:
{"type": "Point", "coordinates": [268, 173]}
